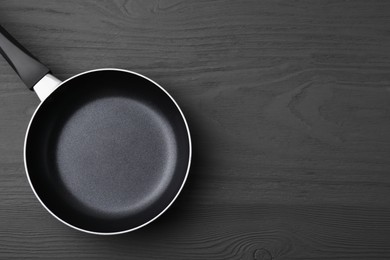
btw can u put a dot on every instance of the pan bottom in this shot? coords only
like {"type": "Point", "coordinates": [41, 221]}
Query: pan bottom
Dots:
{"type": "Point", "coordinates": [115, 155]}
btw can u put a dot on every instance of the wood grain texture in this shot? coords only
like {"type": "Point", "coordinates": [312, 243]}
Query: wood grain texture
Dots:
{"type": "Point", "coordinates": [288, 103]}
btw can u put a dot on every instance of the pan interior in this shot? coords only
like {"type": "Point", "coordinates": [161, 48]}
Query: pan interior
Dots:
{"type": "Point", "coordinates": [107, 151]}
{"type": "Point", "coordinates": [116, 154]}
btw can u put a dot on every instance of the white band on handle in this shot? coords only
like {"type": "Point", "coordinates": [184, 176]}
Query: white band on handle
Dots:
{"type": "Point", "coordinates": [46, 86]}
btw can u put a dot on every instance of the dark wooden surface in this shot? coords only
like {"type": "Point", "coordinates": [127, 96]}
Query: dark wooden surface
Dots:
{"type": "Point", "coordinates": [288, 103]}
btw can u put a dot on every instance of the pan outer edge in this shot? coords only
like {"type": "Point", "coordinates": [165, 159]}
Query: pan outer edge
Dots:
{"type": "Point", "coordinates": [155, 217]}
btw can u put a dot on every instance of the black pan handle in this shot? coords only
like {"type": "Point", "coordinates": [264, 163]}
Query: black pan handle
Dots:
{"type": "Point", "coordinates": [29, 69]}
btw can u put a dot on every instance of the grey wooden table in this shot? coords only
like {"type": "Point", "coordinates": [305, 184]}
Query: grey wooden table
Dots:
{"type": "Point", "coordinates": [288, 103]}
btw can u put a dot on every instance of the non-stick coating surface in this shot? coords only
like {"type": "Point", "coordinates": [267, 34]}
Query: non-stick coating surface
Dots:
{"type": "Point", "coordinates": [107, 151]}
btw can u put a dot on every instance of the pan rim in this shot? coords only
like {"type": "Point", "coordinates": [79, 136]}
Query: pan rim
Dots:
{"type": "Point", "coordinates": [156, 216]}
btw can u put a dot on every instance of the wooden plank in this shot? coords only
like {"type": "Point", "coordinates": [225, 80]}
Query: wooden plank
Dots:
{"type": "Point", "coordinates": [288, 104]}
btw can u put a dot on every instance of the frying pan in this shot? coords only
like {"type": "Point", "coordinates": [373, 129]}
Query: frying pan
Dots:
{"type": "Point", "coordinates": [107, 151]}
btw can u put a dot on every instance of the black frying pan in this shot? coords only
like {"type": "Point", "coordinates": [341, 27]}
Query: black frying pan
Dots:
{"type": "Point", "coordinates": [106, 151]}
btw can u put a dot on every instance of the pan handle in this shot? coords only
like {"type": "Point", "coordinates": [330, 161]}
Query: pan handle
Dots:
{"type": "Point", "coordinates": [30, 70]}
